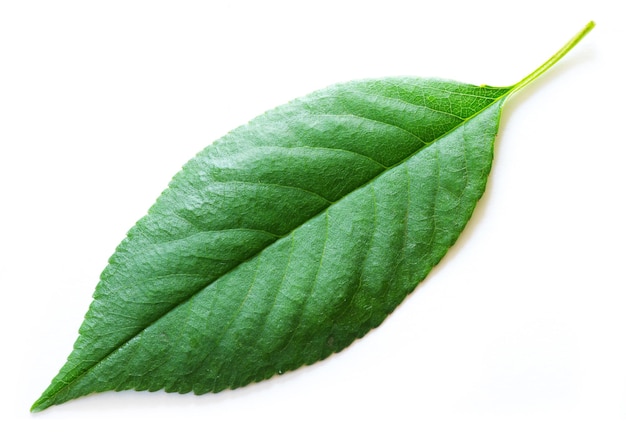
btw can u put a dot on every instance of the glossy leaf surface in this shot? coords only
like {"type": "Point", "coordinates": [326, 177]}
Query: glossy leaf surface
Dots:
{"type": "Point", "coordinates": [288, 238]}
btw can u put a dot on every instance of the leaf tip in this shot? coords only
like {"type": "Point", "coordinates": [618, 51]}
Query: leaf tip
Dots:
{"type": "Point", "coordinates": [37, 406]}
{"type": "Point", "coordinates": [45, 401]}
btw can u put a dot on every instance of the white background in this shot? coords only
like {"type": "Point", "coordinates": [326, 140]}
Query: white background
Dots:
{"type": "Point", "coordinates": [520, 331]}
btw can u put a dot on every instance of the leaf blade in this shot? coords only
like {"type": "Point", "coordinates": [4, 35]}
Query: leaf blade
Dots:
{"type": "Point", "coordinates": [190, 222]}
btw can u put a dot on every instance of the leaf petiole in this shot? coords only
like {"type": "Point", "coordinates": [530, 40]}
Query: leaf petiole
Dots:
{"type": "Point", "coordinates": [554, 59]}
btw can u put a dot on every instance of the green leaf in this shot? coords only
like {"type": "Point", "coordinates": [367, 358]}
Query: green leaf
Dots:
{"type": "Point", "coordinates": [289, 238]}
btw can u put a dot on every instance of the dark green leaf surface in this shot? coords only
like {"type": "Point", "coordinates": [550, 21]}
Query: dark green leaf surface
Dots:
{"type": "Point", "coordinates": [287, 239]}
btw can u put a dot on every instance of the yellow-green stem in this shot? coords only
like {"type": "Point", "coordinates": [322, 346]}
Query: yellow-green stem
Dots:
{"type": "Point", "coordinates": [554, 59]}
